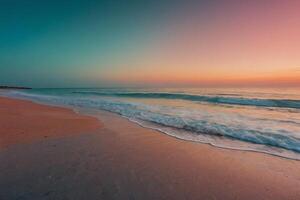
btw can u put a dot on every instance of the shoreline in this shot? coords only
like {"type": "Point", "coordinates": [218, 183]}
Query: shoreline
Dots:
{"type": "Point", "coordinates": [207, 143]}
{"type": "Point", "coordinates": [122, 160]}
{"type": "Point", "coordinates": [80, 112]}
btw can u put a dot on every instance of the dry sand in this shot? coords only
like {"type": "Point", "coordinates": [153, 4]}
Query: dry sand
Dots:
{"type": "Point", "coordinates": [24, 121]}
{"type": "Point", "coordinates": [81, 159]}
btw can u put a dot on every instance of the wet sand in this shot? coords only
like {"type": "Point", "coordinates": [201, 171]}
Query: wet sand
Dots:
{"type": "Point", "coordinates": [82, 158]}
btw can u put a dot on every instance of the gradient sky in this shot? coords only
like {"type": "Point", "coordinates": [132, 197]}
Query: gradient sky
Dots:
{"type": "Point", "coordinates": [149, 43]}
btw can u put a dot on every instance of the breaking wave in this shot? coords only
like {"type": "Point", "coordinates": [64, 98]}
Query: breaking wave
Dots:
{"type": "Point", "coordinates": [281, 103]}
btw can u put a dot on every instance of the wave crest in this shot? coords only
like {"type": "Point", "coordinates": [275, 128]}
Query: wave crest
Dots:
{"type": "Point", "coordinates": [281, 103]}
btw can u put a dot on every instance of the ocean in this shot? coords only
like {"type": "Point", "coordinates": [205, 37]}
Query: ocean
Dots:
{"type": "Point", "coordinates": [265, 120]}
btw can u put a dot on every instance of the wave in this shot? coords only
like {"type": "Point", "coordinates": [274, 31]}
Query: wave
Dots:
{"type": "Point", "coordinates": [281, 103]}
{"type": "Point", "coordinates": [136, 112]}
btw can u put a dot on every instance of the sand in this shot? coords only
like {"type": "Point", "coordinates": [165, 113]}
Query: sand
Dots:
{"type": "Point", "coordinates": [82, 158]}
{"type": "Point", "coordinates": [24, 121]}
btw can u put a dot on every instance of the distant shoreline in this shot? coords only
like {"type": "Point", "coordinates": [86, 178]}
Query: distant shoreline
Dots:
{"type": "Point", "coordinates": [14, 87]}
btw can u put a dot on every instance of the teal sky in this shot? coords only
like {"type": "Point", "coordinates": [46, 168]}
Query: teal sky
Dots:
{"type": "Point", "coordinates": [54, 43]}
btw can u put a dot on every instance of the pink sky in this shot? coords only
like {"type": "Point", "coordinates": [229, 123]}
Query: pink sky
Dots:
{"type": "Point", "coordinates": [242, 43]}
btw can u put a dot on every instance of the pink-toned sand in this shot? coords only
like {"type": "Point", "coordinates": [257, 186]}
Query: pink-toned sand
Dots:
{"type": "Point", "coordinates": [24, 121]}
{"type": "Point", "coordinates": [121, 160]}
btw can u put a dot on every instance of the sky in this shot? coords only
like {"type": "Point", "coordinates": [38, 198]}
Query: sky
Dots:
{"type": "Point", "coordinates": [149, 43]}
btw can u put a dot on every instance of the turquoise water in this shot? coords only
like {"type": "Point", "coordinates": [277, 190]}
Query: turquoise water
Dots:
{"type": "Point", "coordinates": [257, 119]}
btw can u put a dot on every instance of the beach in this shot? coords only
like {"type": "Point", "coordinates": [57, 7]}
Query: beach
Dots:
{"type": "Point", "coordinates": [54, 153]}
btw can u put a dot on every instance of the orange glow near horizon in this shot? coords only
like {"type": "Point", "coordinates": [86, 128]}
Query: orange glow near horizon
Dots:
{"type": "Point", "coordinates": [164, 77]}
